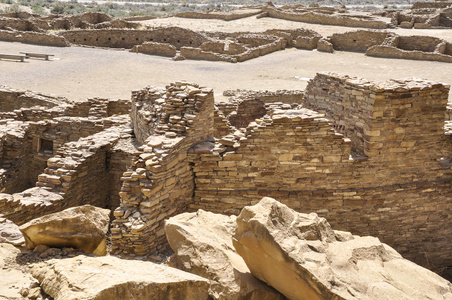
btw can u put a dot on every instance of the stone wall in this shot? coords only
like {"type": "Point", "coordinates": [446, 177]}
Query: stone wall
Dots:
{"type": "Point", "coordinates": [120, 38]}
{"type": "Point", "coordinates": [160, 182]}
{"type": "Point", "coordinates": [155, 49]}
{"type": "Point", "coordinates": [399, 192]}
{"type": "Point", "coordinates": [33, 38]}
{"type": "Point", "coordinates": [437, 4]}
{"type": "Point", "coordinates": [322, 18]}
{"type": "Point", "coordinates": [222, 15]}
{"type": "Point", "coordinates": [358, 41]}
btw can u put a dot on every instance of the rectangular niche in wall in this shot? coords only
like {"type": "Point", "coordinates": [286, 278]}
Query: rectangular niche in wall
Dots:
{"type": "Point", "coordinates": [45, 146]}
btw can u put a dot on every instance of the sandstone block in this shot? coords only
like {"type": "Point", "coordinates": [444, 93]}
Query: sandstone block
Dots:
{"type": "Point", "coordinates": [202, 243]}
{"type": "Point", "coordinates": [83, 227]}
{"type": "Point", "coordinates": [303, 258]}
{"type": "Point", "coordinates": [107, 277]}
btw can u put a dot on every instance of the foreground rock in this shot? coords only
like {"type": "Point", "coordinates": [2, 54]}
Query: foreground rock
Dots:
{"type": "Point", "coordinates": [107, 277]}
{"type": "Point", "coordinates": [202, 243]}
{"type": "Point", "coordinates": [303, 258]}
{"type": "Point", "coordinates": [10, 233]}
{"type": "Point", "coordinates": [84, 227]}
{"type": "Point", "coordinates": [14, 283]}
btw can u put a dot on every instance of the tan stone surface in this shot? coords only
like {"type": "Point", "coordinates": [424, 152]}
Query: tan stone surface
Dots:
{"type": "Point", "coordinates": [84, 227]}
{"type": "Point", "coordinates": [107, 277]}
{"type": "Point", "coordinates": [12, 279]}
{"type": "Point", "coordinates": [202, 242]}
{"type": "Point", "coordinates": [302, 257]}
{"type": "Point", "coordinates": [10, 233]}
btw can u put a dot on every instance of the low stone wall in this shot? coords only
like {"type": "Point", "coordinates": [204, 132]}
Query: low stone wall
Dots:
{"type": "Point", "coordinates": [318, 18]}
{"type": "Point", "coordinates": [30, 204]}
{"type": "Point", "coordinates": [128, 38]}
{"type": "Point", "coordinates": [222, 15]}
{"type": "Point", "coordinates": [358, 41]}
{"type": "Point", "coordinates": [33, 38]}
{"type": "Point", "coordinates": [436, 4]}
{"type": "Point", "coordinates": [392, 52]}
{"type": "Point", "coordinates": [160, 182]}
{"type": "Point", "coordinates": [12, 99]}
{"type": "Point", "coordinates": [155, 49]}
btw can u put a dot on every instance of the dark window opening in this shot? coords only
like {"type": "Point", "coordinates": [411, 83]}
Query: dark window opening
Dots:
{"type": "Point", "coordinates": [164, 40]}
{"type": "Point", "coordinates": [178, 41]}
{"type": "Point", "coordinates": [97, 39]}
{"type": "Point", "coordinates": [109, 39]}
{"type": "Point", "coordinates": [191, 42]}
{"type": "Point", "coordinates": [151, 40]}
{"type": "Point", "coordinates": [123, 39]}
{"type": "Point", "coordinates": [136, 39]}
{"type": "Point", "coordinates": [84, 39]}
{"type": "Point", "coordinates": [45, 146]}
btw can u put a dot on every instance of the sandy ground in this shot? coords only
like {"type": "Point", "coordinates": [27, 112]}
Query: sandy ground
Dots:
{"type": "Point", "coordinates": [81, 72]}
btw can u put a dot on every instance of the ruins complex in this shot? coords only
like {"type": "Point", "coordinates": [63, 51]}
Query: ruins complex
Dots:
{"type": "Point", "coordinates": [373, 158]}
{"type": "Point", "coordinates": [375, 155]}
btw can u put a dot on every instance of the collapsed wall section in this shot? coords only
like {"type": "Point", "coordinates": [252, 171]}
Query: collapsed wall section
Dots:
{"type": "Point", "coordinates": [160, 182]}
{"type": "Point", "coordinates": [399, 191]}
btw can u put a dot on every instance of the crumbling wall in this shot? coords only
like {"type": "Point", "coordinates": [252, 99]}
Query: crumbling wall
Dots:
{"type": "Point", "coordinates": [155, 49]}
{"type": "Point", "coordinates": [11, 99]}
{"type": "Point", "coordinates": [358, 41]}
{"type": "Point", "coordinates": [399, 192]}
{"type": "Point", "coordinates": [33, 38]}
{"type": "Point", "coordinates": [160, 182]}
{"type": "Point", "coordinates": [120, 38]}
{"type": "Point", "coordinates": [222, 15]}
{"type": "Point", "coordinates": [322, 18]}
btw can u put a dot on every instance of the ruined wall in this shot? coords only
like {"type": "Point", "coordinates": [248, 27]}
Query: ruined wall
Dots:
{"type": "Point", "coordinates": [33, 38]}
{"type": "Point", "coordinates": [321, 18]}
{"type": "Point", "coordinates": [222, 15]}
{"type": "Point", "coordinates": [437, 4]}
{"type": "Point", "coordinates": [358, 41]}
{"type": "Point", "coordinates": [155, 49]}
{"type": "Point", "coordinates": [392, 52]}
{"type": "Point", "coordinates": [12, 99]}
{"type": "Point", "coordinates": [400, 192]}
{"type": "Point", "coordinates": [160, 182]}
{"type": "Point", "coordinates": [119, 38]}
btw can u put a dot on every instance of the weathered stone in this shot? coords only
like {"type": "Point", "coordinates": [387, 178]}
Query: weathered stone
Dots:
{"type": "Point", "coordinates": [303, 258]}
{"type": "Point", "coordinates": [202, 243]}
{"type": "Point", "coordinates": [10, 233]}
{"type": "Point", "coordinates": [13, 281]}
{"type": "Point", "coordinates": [107, 277]}
{"type": "Point", "coordinates": [84, 227]}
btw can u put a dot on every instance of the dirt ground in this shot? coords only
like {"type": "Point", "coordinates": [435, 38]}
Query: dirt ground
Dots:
{"type": "Point", "coordinates": [81, 72]}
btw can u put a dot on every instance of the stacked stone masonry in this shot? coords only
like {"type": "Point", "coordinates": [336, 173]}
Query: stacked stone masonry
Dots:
{"type": "Point", "coordinates": [379, 159]}
{"type": "Point", "coordinates": [373, 158]}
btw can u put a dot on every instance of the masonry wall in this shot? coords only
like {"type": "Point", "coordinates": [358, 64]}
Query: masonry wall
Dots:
{"type": "Point", "coordinates": [33, 38]}
{"type": "Point", "coordinates": [160, 182]}
{"type": "Point", "coordinates": [119, 38]}
{"type": "Point", "coordinates": [399, 191]}
{"type": "Point", "coordinates": [320, 18]}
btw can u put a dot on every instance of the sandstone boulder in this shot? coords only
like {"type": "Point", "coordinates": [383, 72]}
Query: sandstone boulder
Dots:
{"type": "Point", "coordinates": [10, 233]}
{"type": "Point", "coordinates": [84, 227]}
{"type": "Point", "coordinates": [303, 258]}
{"type": "Point", "coordinates": [202, 243]}
{"type": "Point", "coordinates": [106, 278]}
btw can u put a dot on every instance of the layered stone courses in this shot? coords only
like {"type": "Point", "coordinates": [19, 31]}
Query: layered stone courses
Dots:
{"type": "Point", "coordinates": [377, 155]}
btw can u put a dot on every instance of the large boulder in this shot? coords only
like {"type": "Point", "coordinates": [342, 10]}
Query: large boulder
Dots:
{"type": "Point", "coordinates": [303, 258]}
{"type": "Point", "coordinates": [107, 277]}
{"type": "Point", "coordinates": [10, 233]}
{"type": "Point", "coordinates": [84, 227]}
{"type": "Point", "coordinates": [202, 243]}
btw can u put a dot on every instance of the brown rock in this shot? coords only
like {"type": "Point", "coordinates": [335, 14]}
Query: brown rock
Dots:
{"type": "Point", "coordinates": [303, 258]}
{"type": "Point", "coordinates": [107, 277]}
{"type": "Point", "coordinates": [202, 243]}
{"type": "Point", "coordinates": [83, 227]}
{"type": "Point", "coordinates": [10, 233]}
